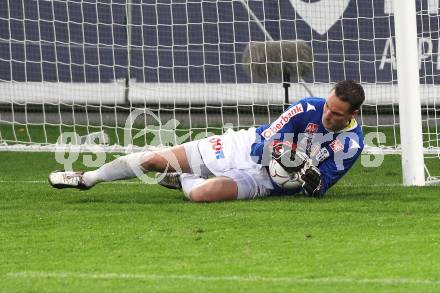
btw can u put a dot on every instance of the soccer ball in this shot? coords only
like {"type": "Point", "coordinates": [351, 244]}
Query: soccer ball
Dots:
{"type": "Point", "coordinates": [282, 178]}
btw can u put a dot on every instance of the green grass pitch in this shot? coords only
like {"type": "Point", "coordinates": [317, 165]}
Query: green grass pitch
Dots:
{"type": "Point", "coordinates": [369, 234]}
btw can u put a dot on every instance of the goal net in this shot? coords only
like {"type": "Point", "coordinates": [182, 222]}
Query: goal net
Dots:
{"type": "Point", "coordinates": [134, 73]}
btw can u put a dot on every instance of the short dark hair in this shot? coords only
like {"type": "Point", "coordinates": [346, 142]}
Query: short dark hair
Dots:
{"type": "Point", "coordinates": [351, 92]}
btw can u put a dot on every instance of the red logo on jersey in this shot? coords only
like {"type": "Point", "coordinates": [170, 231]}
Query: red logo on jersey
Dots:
{"type": "Point", "coordinates": [336, 146]}
{"type": "Point", "coordinates": [312, 128]}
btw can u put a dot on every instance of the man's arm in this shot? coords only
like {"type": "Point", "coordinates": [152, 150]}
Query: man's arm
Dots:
{"type": "Point", "coordinates": [318, 180]}
{"type": "Point", "coordinates": [281, 129]}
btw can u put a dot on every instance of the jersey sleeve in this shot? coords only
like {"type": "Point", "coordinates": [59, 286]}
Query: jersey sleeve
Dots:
{"type": "Point", "coordinates": [284, 127]}
{"type": "Point", "coordinates": [336, 166]}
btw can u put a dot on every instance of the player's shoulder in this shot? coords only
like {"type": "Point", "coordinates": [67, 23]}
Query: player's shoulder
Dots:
{"type": "Point", "coordinates": [315, 101]}
{"type": "Point", "coordinates": [311, 103]}
{"type": "Point", "coordinates": [310, 106]}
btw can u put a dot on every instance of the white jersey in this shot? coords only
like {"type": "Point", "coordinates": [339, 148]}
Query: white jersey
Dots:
{"type": "Point", "coordinates": [231, 151]}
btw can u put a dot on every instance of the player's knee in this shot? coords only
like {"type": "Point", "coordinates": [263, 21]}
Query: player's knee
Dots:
{"type": "Point", "coordinates": [151, 161]}
{"type": "Point", "coordinates": [200, 193]}
{"type": "Point", "coordinates": [197, 197]}
{"type": "Point", "coordinates": [211, 191]}
{"type": "Point", "coordinates": [197, 194]}
{"type": "Point", "coordinates": [134, 159]}
{"type": "Point", "coordinates": [160, 162]}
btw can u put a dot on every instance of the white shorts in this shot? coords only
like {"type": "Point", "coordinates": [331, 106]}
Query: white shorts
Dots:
{"type": "Point", "coordinates": [229, 155]}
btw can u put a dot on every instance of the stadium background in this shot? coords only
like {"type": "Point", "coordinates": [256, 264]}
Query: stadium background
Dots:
{"type": "Point", "coordinates": [194, 41]}
{"type": "Point", "coordinates": [89, 63]}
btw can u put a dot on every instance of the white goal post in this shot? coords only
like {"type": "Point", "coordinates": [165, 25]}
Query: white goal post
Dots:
{"type": "Point", "coordinates": [409, 92]}
{"type": "Point", "coordinates": [84, 66]}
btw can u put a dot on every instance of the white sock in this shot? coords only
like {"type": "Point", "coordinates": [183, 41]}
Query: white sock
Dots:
{"type": "Point", "coordinates": [124, 167]}
{"type": "Point", "coordinates": [189, 181]}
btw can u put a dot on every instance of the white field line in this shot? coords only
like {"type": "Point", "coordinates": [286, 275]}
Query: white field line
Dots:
{"type": "Point", "coordinates": [141, 183]}
{"type": "Point", "coordinates": [126, 276]}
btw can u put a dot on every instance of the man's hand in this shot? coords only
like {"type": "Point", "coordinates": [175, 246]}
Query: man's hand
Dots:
{"type": "Point", "coordinates": [312, 181]}
{"type": "Point", "coordinates": [289, 159]}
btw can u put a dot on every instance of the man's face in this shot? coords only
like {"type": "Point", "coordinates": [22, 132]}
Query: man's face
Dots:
{"type": "Point", "coordinates": [337, 113]}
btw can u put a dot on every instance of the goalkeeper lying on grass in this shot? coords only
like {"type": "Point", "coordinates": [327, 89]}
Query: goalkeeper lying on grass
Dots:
{"type": "Point", "coordinates": [317, 139]}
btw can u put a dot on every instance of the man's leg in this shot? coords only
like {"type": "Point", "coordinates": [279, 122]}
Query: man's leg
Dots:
{"type": "Point", "coordinates": [170, 160]}
{"type": "Point", "coordinates": [235, 184]}
{"type": "Point", "coordinates": [124, 167]}
{"type": "Point", "coordinates": [132, 165]}
{"type": "Point", "coordinates": [206, 190]}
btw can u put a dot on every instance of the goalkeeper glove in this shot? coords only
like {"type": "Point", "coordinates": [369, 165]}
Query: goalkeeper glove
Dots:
{"type": "Point", "coordinates": [312, 181]}
{"type": "Point", "coordinates": [289, 159]}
